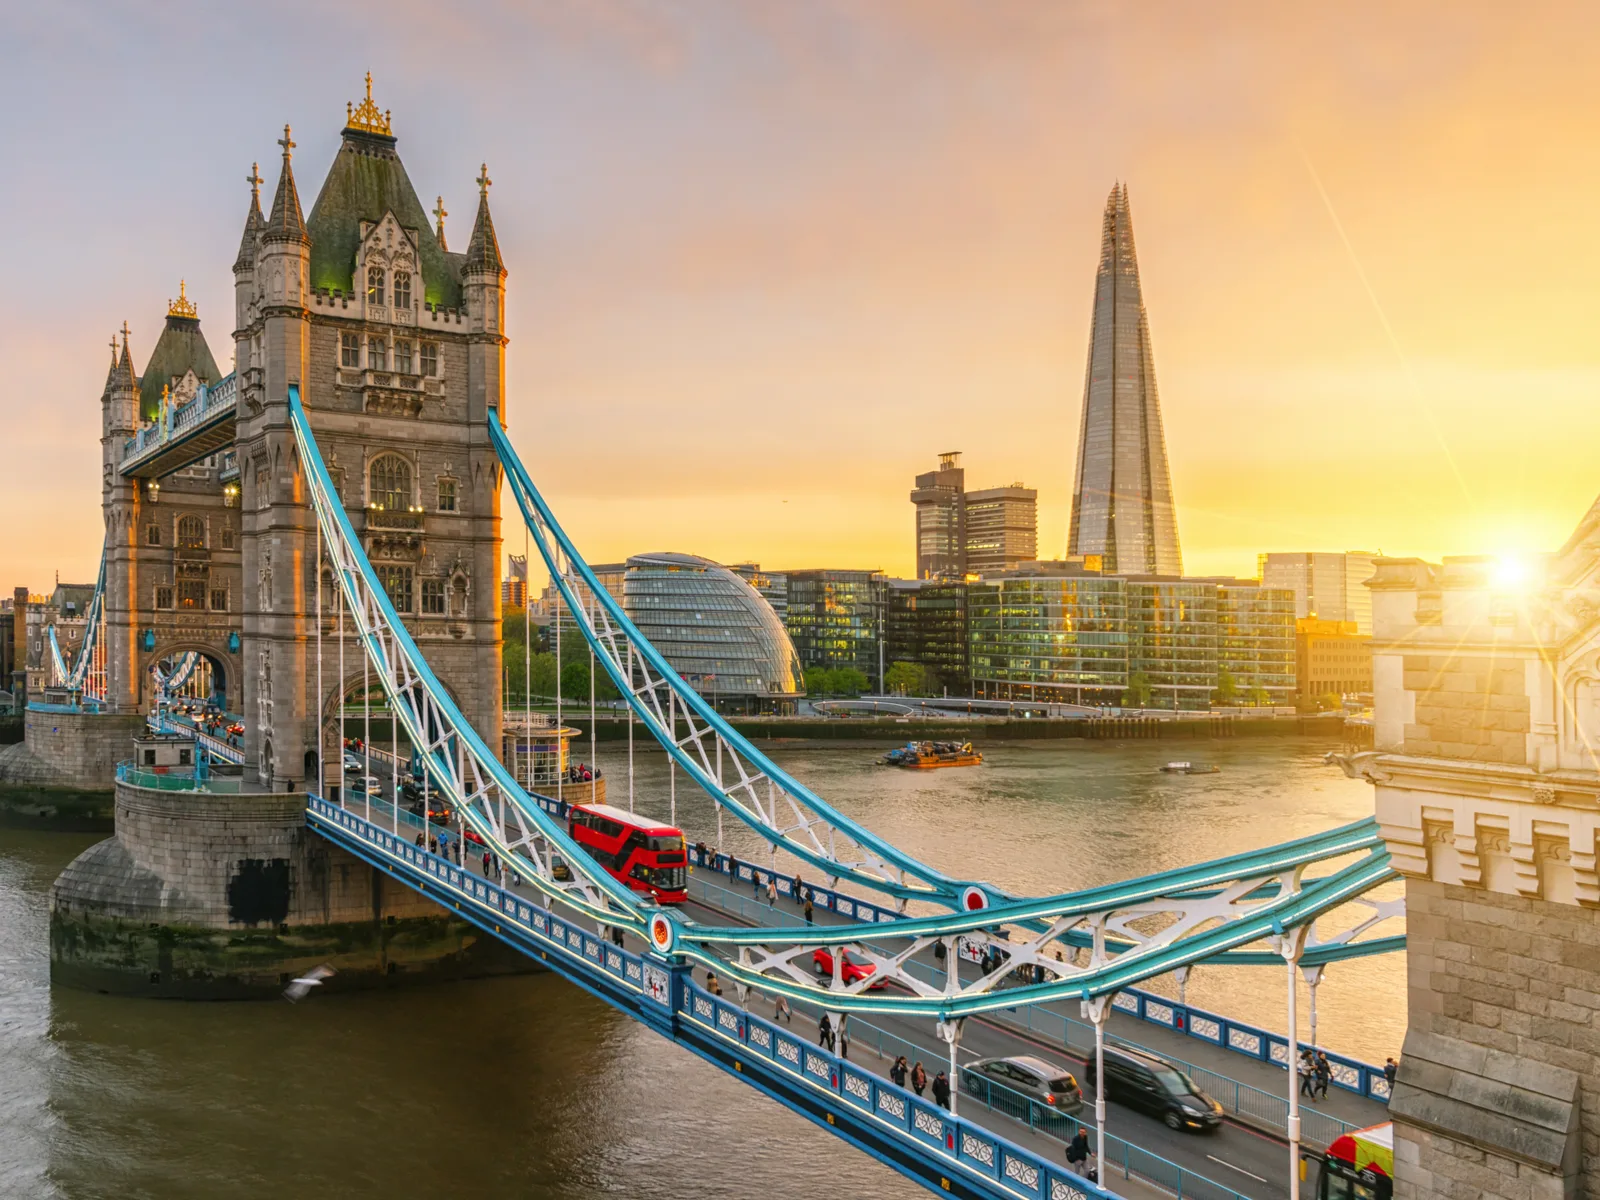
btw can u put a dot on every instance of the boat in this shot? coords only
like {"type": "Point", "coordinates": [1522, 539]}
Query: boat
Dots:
{"type": "Point", "coordinates": [925, 756]}
{"type": "Point", "coordinates": [1190, 768]}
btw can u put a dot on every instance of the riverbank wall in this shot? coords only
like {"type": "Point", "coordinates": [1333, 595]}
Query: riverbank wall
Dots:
{"type": "Point", "coordinates": [60, 775]}
{"type": "Point", "coordinates": [208, 896]}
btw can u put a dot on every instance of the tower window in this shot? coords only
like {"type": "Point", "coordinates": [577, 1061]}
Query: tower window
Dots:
{"type": "Point", "coordinates": [396, 582]}
{"type": "Point", "coordinates": [163, 597]}
{"type": "Point", "coordinates": [377, 356]}
{"type": "Point", "coordinates": [402, 357]}
{"type": "Point", "coordinates": [433, 597]}
{"type": "Point", "coordinates": [375, 285]}
{"type": "Point", "coordinates": [227, 537]}
{"type": "Point", "coordinates": [191, 532]}
{"type": "Point", "coordinates": [390, 484]}
{"type": "Point", "coordinates": [430, 359]}
{"type": "Point", "coordinates": [152, 535]}
{"type": "Point", "coordinates": [447, 495]}
{"type": "Point", "coordinates": [219, 599]}
{"type": "Point", "coordinates": [191, 593]}
{"type": "Point", "coordinates": [402, 289]}
{"type": "Point", "coordinates": [349, 350]}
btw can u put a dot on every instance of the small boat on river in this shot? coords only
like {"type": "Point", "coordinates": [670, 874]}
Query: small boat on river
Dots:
{"type": "Point", "coordinates": [925, 756]}
{"type": "Point", "coordinates": [1190, 768]}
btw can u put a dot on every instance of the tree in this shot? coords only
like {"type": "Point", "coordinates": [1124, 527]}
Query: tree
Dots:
{"type": "Point", "coordinates": [511, 624]}
{"type": "Point", "coordinates": [819, 681]}
{"type": "Point", "coordinates": [1138, 693]}
{"type": "Point", "coordinates": [1332, 700]}
{"type": "Point", "coordinates": [1227, 687]}
{"type": "Point", "coordinates": [1259, 696]}
{"type": "Point", "coordinates": [850, 681]}
{"type": "Point", "coordinates": [575, 680]}
{"type": "Point", "coordinates": [908, 679]}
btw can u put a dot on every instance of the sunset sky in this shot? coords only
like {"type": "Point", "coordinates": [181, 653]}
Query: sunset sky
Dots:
{"type": "Point", "coordinates": [769, 257]}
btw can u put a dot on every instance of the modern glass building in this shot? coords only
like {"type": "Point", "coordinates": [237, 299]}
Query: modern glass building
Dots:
{"type": "Point", "coordinates": [835, 619]}
{"type": "Point", "coordinates": [1256, 638]}
{"type": "Point", "coordinates": [1056, 637]}
{"type": "Point", "coordinates": [715, 629]}
{"type": "Point", "coordinates": [927, 624]}
{"type": "Point", "coordinates": [1172, 640]}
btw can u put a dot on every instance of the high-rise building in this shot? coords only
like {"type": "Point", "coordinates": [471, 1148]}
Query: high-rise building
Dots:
{"type": "Point", "coordinates": [1331, 658]}
{"type": "Point", "coordinates": [938, 497]}
{"type": "Point", "coordinates": [1051, 632]}
{"type": "Point", "coordinates": [514, 587]}
{"type": "Point", "coordinates": [1122, 498]}
{"type": "Point", "coordinates": [962, 533]}
{"type": "Point", "coordinates": [1256, 641]}
{"type": "Point", "coordinates": [774, 587]}
{"type": "Point", "coordinates": [1001, 529]}
{"type": "Point", "coordinates": [835, 620]}
{"type": "Point", "coordinates": [1331, 587]}
{"type": "Point", "coordinates": [927, 624]}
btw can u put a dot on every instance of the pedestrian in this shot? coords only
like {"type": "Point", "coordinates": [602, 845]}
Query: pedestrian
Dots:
{"type": "Point", "coordinates": [1324, 1073]}
{"type": "Point", "coordinates": [1307, 1068]}
{"type": "Point", "coordinates": [433, 845]}
{"type": "Point", "coordinates": [772, 891]}
{"type": "Point", "coordinates": [939, 952]}
{"type": "Point", "coordinates": [941, 1090]}
{"type": "Point", "coordinates": [755, 883]}
{"type": "Point", "coordinates": [825, 1032]}
{"type": "Point", "coordinates": [712, 985]}
{"type": "Point", "coordinates": [899, 1071]}
{"type": "Point", "coordinates": [919, 1078]}
{"type": "Point", "coordinates": [487, 861]}
{"type": "Point", "coordinates": [419, 839]}
{"type": "Point", "coordinates": [844, 1040]}
{"type": "Point", "coordinates": [1390, 1069]}
{"type": "Point", "coordinates": [784, 1012]}
{"type": "Point", "coordinates": [1078, 1151]}
{"type": "Point", "coordinates": [809, 912]}
{"type": "Point", "coordinates": [797, 890]}
{"type": "Point", "coordinates": [616, 936]}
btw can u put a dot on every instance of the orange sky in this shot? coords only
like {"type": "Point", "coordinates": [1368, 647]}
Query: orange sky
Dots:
{"type": "Point", "coordinates": [768, 259]}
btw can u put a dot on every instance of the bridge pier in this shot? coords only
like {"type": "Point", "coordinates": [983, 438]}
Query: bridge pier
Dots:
{"type": "Point", "coordinates": [61, 774]}
{"type": "Point", "coordinates": [214, 895]}
{"type": "Point", "coordinates": [1487, 714]}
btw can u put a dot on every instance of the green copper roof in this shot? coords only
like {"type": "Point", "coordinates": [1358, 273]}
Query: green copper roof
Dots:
{"type": "Point", "coordinates": [367, 180]}
{"type": "Point", "coordinates": [180, 347]}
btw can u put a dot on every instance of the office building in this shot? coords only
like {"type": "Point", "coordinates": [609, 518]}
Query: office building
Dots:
{"type": "Point", "coordinates": [1331, 658]}
{"type": "Point", "coordinates": [962, 533]}
{"type": "Point", "coordinates": [836, 618]}
{"type": "Point", "coordinates": [1256, 641]}
{"type": "Point", "coordinates": [927, 625]}
{"type": "Point", "coordinates": [514, 587]}
{"type": "Point", "coordinates": [1329, 586]}
{"type": "Point", "coordinates": [1122, 505]}
{"type": "Point", "coordinates": [1052, 632]}
{"type": "Point", "coordinates": [715, 630]}
{"type": "Point", "coordinates": [774, 587]}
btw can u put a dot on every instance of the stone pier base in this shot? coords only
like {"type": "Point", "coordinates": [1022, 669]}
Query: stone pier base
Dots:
{"type": "Point", "coordinates": [202, 895]}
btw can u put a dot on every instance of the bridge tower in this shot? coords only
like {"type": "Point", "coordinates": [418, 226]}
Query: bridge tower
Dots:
{"type": "Point", "coordinates": [1486, 724]}
{"type": "Point", "coordinates": [120, 506]}
{"type": "Point", "coordinates": [397, 347]}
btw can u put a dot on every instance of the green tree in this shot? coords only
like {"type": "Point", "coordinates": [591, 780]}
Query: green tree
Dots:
{"type": "Point", "coordinates": [908, 679]}
{"type": "Point", "coordinates": [1139, 691]}
{"type": "Point", "coordinates": [850, 681]}
{"type": "Point", "coordinates": [575, 680]}
{"type": "Point", "coordinates": [1331, 700]}
{"type": "Point", "coordinates": [1227, 687]}
{"type": "Point", "coordinates": [1259, 696]}
{"type": "Point", "coordinates": [512, 624]}
{"type": "Point", "coordinates": [819, 682]}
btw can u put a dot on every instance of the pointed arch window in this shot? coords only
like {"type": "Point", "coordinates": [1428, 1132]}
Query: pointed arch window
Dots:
{"type": "Point", "coordinates": [402, 289]}
{"type": "Point", "coordinates": [390, 484]}
{"type": "Point", "coordinates": [375, 285]}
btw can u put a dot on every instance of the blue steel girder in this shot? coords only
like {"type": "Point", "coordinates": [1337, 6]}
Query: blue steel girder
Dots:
{"type": "Point", "coordinates": [73, 679]}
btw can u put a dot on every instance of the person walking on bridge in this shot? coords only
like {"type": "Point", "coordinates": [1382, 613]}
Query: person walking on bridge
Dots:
{"type": "Point", "coordinates": [782, 1011]}
{"type": "Point", "coordinates": [1306, 1068]}
{"type": "Point", "coordinates": [919, 1078]}
{"type": "Point", "coordinates": [810, 912]}
{"type": "Point", "coordinates": [1078, 1151]}
{"type": "Point", "coordinates": [772, 891]}
{"type": "Point", "coordinates": [1323, 1071]}
{"type": "Point", "coordinates": [941, 1090]}
{"type": "Point", "coordinates": [825, 1031]}
{"type": "Point", "coordinates": [897, 1073]}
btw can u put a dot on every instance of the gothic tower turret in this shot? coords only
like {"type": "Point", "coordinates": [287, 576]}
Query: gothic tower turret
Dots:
{"type": "Point", "coordinates": [119, 504]}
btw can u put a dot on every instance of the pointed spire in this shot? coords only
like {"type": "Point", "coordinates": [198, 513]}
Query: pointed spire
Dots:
{"type": "Point", "coordinates": [483, 251]}
{"type": "Point", "coordinates": [126, 376]}
{"type": "Point", "coordinates": [111, 375]}
{"type": "Point", "coordinates": [286, 223]}
{"type": "Point", "coordinates": [439, 214]}
{"type": "Point", "coordinates": [253, 223]}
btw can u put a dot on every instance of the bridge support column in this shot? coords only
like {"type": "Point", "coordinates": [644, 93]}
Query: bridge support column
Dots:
{"type": "Point", "coordinates": [1290, 944]}
{"type": "Point", "coordinates": [950, 1031]}
{"type": "Point", "coordinates": [1097, 1010]}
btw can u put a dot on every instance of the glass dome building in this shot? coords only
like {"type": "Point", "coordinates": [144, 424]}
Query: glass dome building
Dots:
{"type": "Point", "coordinates": [716, 630]}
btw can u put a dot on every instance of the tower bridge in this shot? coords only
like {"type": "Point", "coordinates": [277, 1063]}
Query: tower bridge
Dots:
{"type": "Point", "coordinates": [327, 518]}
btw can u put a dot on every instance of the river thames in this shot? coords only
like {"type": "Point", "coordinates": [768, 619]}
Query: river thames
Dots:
{"type": "Point", "coordinates": [529, 1086]}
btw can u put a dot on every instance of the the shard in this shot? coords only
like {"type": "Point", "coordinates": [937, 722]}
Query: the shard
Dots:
{"type": "Point", "coordinates": [1122, 497]}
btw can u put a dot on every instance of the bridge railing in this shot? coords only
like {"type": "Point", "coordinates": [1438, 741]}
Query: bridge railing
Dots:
{"type": "Point", "coordinates": [1251, 1041]}
{"type": "Point", "coordinates": [210, 400]}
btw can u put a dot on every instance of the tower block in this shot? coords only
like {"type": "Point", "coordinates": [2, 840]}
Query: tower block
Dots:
{"type": "Point", "coordinates": [397, 346]}
{"type": "Point", "coordinates": [1487, 721]}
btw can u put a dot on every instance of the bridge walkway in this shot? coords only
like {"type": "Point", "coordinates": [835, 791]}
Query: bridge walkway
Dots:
{"type": "Point", "coordinates": [1058, 1026]}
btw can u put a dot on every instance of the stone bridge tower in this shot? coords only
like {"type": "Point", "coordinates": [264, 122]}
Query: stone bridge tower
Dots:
{"type": "Point", "coordinates": [397, 346]}
{"type": "Point", "coordinates": [1487, 729]}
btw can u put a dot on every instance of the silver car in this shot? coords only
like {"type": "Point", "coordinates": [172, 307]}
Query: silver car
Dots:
{"type": "Point", "coordinates": [1011, 1083]}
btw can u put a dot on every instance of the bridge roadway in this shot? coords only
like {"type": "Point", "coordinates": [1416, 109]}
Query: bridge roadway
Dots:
{"type": "Point", "coordinates": [1244, 1155]}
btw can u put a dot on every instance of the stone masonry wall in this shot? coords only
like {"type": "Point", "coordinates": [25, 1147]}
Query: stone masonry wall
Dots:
{"type": "Point", "coordinates": [1513, 974]}
{"type": "Point", "coordinates": [1467, 707]}
{"type": "Point", "coordinates": [83, 749]}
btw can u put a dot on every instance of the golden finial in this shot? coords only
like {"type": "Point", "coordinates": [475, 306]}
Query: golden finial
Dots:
{"type": "Point", "coordinates": [182, 306]}
{"type": "Point", "coordinates": [288, 144]}
{"type": "Point", "coordinates": [113, 349]}
{"type": "Point", "coordinates": [440, 213]}
{"type": "Point", "coordinates": [166, 395]}
{"type": "Point", "coordinates": [255, 181]}
{"type": "Point", "coordinates": [124, 335]}
{"type": "Point", "coordinates": [365, 116]}
{"type": "Point", "coordinates": [484, 181]}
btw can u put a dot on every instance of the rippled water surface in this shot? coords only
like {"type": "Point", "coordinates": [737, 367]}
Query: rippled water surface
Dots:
{"type": "Point", "coordinates": [530, 1087]}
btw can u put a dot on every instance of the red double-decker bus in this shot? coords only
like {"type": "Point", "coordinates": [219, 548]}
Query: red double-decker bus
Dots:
{"type": "Point", "coordinates": [646, 855]}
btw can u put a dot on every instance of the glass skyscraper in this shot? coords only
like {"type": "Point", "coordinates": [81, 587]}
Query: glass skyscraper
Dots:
{"type": "Point", "coordinates": [835, 619]}
{"type": "Point", "coordinates": [1058, 637]}
{"type": "Point", "coordinates": [1122, 505]}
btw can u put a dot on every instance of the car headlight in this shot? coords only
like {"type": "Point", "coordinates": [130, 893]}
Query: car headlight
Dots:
{"type": "Point", "coordinates": [1193, 1112]}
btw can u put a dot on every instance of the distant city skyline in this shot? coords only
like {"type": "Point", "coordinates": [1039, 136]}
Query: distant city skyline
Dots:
{"type": "Point", "coordinates": [775, 285]}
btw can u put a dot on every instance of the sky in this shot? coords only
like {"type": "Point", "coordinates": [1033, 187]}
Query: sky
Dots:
{"type": "Point", "coordinates": [768, 258]}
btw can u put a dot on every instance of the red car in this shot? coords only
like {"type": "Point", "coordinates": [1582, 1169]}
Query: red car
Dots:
{"type": "Point", "coordinates": [853, 969]}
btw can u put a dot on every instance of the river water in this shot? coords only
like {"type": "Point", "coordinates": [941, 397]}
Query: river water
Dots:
{"type": "Point", "coordinates": [529, 1087]}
